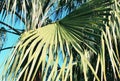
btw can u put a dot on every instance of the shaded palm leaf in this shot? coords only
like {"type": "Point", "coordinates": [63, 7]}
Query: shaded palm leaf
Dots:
{"type": "Point", "coordinates": [24, 10]}
{"type": "Point", "coordinates": [79, 30]}
{"type": "Point", "coordinates": [2, 37]}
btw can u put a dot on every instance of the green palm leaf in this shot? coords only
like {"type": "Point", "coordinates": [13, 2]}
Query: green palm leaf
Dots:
{"type": "Point", "coordinates": [81, 29]}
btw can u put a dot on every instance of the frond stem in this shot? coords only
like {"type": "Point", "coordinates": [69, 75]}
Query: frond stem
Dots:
{"type": "Point", "coordinates": [17, 32]}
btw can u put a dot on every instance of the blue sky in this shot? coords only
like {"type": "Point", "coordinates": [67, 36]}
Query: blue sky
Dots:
{"type": "Point", "coordinates": [11, 39]}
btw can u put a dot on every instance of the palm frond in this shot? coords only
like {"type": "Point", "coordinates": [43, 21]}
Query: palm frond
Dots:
{"type": "Point", "coordinates": [26, 10]}
{"type": "Point", "coordinates": [81, 29]}
{"type": "Point", "coordinates": [2, 37]}
{"type": "Point", "coordinates": [111, 36]}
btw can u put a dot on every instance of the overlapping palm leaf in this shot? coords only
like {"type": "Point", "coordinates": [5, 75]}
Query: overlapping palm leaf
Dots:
{"type": "Point", "coordinates": [38, 49]}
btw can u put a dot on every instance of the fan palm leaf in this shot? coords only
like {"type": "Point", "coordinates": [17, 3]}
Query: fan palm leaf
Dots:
{"type": "Point", "coordinates": [83, 29]}
{"type": "Point", "coordinates": [79, 30]}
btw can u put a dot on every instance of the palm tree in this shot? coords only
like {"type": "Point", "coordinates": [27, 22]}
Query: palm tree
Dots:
{"type": "Point", "coordinates": [87, 38]}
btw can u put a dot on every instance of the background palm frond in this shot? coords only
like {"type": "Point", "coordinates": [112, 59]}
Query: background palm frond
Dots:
{"type": "Point", "coordinates": [2, 37]}
{"type": "Point", "coordinates": [25, 9]}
